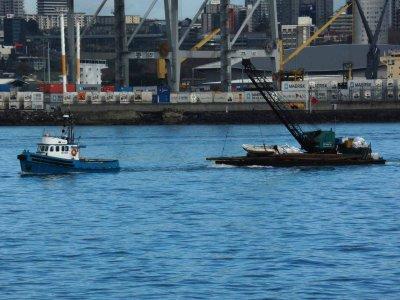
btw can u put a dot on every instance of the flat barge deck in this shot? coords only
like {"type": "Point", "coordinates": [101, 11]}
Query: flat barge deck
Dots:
{"type": "Point", "coordinates": [297, 160]}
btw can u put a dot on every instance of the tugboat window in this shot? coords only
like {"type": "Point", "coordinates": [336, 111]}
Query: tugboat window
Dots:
{"type": "Point", "coordinates": [51, 149]}
{"type": "Point", "coordinates": [66, 148]}
{"type": "Point", "coordinates": [58, 149]}
{"type": "Point", "coordinates": [47, 148]}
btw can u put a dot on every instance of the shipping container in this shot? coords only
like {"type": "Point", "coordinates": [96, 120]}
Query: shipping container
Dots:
{"type": "Point", "coordinates": [164, 98]}
{"type": "Point", "coordinates": [96, 98]}
{"type": "Point", "coordinates": [147, 97]}
{"type": "Point", "coordinates": [88, 88]}
{"type": "Point", "coordinates": [297, 96]}
{"type": "Point", "coordinates": [37, 97]}
{"type": "Point", "coordinates": [103, 97]}
{"type": "Point", "coordinates": [111, 98]}
{"type": "Point", "coordinates": [3, 105]}
{"type": "Point", "coordinates": [123, 97]}
{"type": "Point", "coordinates": [81, 97]}
{"type": "Point", "coordinates": [70, 98]}
{"type": "Point", "coordinates": [37, 106]}
{"type": "Point", "coordinates": [137, 96]}
{"type": "Point", "coordinates": [108, 89]}
{"type": "Point", "coordinates": [239, 97]}
{"type": "Point", "coordinates": [289, 86]}
{"type": "Point", "coordinates": [26, 99]}
{"type": "Point", "coordinates": [163, 94]}
{"type": "Point", "coordinates": [223, 97]}
{"type": "Point", "coordinates": [56, 88]}
{"type": "Point", "coordinates": [152, 89]}
{"type": "Point", "coordinates": [14, 104]}
{"type": "Point", "coordinates": [361, 84]}
{"type": "Point", "coordinates": [125, 89]}
{"type": "Point", "coordinates": [202, 97]}
{"type": "Point", "coordinates": [174, 98]}
{"type": "Point", "coordinates": [184, 98]}
{"type": "Point", "coordinates": [4, 99]}
{"type": "Point", "coordinates": [5, 88]}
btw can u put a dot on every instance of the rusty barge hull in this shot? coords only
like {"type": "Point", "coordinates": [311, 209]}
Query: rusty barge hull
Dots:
{"type": "Point", "coordinates": [297, 160]}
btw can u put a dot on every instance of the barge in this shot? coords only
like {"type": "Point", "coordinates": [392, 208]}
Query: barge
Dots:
{"type": "Point", "coordinates": [318, 147]}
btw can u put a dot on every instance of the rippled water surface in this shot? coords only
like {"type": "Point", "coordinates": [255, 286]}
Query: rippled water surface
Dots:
{"type": "Point", "coordinates": [171, 225]}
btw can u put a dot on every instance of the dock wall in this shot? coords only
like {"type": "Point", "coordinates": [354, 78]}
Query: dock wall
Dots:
{"type": "Point", "coordinates": [204, 113]}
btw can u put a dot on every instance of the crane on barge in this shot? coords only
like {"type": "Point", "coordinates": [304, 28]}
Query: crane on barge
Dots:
{"type": "Point", "coordinates": [320, 148]}
{"type": "Point", "coordinates": [314, 141]}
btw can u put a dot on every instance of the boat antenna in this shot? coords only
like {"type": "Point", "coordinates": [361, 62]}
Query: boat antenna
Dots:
{"type": "Point", "coordinates": [70, 128]}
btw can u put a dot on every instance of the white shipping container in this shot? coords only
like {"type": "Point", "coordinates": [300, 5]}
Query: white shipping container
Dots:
{"type": "Point", "coordinates": [56, 98]}
{"type": "Point", "coordinates": [111, 98]}
{"type": "Point", "coordinates": [147, 97]}
{"type": "Point", "coordinates": [123, 98]}
{"type": "Point", "coordinates": [137, 96]}
{"type": "Point", "coordinates": [184, 98]}
{"type": "Point", "coordinates": [361, 84]}
{"type": "Point", "coordinates": [223, 97]}
{"type": "Point", "coordinates": [248, 97]}
{"type": "Point", "coordinates": [96, 99]}
{"type": "Point", "coordinates": [37, 97]}
{"type": "Point", "coordinates": [70, 98]}
{"type": "Point", "coordinates": [14, 104]}
{"type": "Point", "coordinates": [201, 97]}
{"type": "Point", "coordinates": [103, 97]}
{"type": "Point", "coordinates": [37, 105]}
{"type": "Point", "coordinates": [295, 96]}
{"type": "Point", "coordinates": [239, 97]}
{"type": "Point", "coordinates": [4, 99]}
{"type": "Point", "coordinates": [174, 98]}
{"type": "Point", "coordinates": [295, 86]}
{"type": "Point", "coordinates": [152, 89]}
{"type": "Point", "coordinates": [257, 97]}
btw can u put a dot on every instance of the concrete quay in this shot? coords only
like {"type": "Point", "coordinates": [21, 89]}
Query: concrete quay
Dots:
{"type": "Point", "coordinates": [204, 113]}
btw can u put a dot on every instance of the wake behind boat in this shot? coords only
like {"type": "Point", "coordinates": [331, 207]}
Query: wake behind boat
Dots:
{"type": "Point", "coordinates": [59, 155]}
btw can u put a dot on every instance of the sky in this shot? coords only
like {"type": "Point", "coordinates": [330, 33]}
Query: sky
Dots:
{"type": "Point", "coordinates": [138, 7]}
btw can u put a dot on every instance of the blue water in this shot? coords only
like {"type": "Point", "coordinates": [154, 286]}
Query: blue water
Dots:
{"type": "Point", "coordinates": [172, 226]}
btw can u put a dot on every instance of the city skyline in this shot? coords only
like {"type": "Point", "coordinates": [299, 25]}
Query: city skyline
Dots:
{"type": "Point", "coordinates": [188, 9]}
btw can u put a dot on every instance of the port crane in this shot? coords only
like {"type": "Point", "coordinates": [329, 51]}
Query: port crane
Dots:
{"type": "Point", "coordinates": [312, 142]}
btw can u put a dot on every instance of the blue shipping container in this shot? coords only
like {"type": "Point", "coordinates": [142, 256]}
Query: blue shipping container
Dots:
{"type": "Point", "coordinates": [164, 98]}
{"type": "Point", "coordinates": [5, 88]}
{"type": "Point", "coordinates": [125, 89]}
{"type": "Point", "coordinates": [161, 90]}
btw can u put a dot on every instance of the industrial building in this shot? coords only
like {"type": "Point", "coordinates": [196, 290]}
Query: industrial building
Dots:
{"type": "Point", "coordinates": [313, 60]}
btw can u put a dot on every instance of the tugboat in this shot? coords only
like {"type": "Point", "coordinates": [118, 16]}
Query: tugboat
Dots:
{"type": "Point", "coordinates": [318, 148]}
{"type": "Point", "coordinates": [60, 155]}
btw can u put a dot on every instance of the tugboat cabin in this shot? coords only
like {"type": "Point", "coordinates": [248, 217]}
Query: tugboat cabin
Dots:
{"type": "Point", "coordinates": [58, 148]}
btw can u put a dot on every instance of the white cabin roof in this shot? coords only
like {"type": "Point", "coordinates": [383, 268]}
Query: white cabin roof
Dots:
{"type": "Point", "coordinates": [48, 140]}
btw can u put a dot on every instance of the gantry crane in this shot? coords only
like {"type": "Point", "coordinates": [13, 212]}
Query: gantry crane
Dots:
{"type": "Point", "coordinates": [161, 63]}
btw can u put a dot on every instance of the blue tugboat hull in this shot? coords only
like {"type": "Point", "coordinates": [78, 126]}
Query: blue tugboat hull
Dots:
{"type": "Point", "coordinates": [41, 164]}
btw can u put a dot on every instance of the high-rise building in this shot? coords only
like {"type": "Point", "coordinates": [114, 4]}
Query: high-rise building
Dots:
{"type": "Point", "coordinates": [51, 7]}
{"type": "Point", "coordinates": [261, 14]}
{"type": "Point", "coordinates": [288, 11]}
{"type": "Point", "coordinates": [372, 10]}
{"type": "Point", "coordinates": [12, 7]}
{"type": "Point", "coordinates": [395, 15]}
{"type": "Point", "coordinates": [320, 11]}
